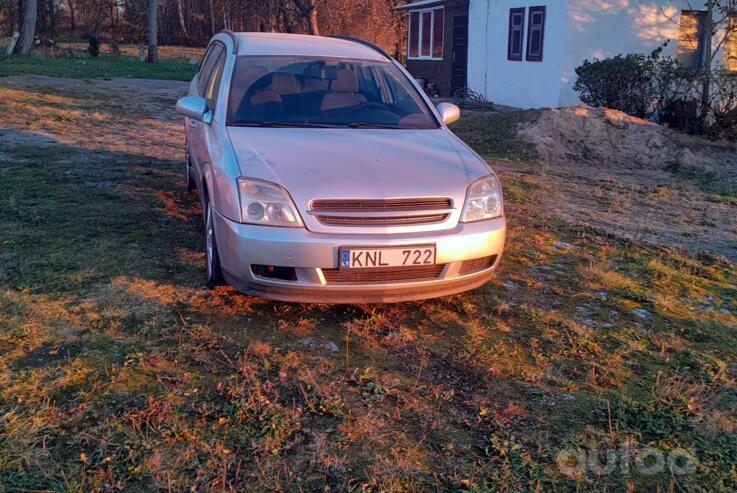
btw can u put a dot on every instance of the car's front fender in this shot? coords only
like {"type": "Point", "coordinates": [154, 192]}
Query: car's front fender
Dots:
{"type": "Point", "coordinates": [221, 173]}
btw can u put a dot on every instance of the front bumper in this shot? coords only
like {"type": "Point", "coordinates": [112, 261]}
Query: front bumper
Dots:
{"type": "Point", "coordinates": [240, 246]}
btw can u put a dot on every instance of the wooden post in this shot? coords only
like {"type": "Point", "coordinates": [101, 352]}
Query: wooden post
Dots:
{"type": "Point", "coordinates": [153, 30]}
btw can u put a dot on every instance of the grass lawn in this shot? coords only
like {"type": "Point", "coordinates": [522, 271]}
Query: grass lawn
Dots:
{"type": "Point", "coordinates": [106, 66]}
{"type": "Point", "coordinates": [120, 372]}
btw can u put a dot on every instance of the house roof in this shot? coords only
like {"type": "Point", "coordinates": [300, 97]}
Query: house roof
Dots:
{"type": "Point", "coordinates": [299, 44]}
{"type": "Point", "coordinates": [420, 4]}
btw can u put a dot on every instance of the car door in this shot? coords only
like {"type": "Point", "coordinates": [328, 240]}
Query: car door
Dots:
{"type": "Point", "coordinates": [210, 145]}
{"type": "Point", "coordinates": [196, 141]}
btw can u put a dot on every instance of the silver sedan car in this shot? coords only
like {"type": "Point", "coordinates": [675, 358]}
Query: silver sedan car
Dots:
{"type": "Point", "coordinates": [327, 176]}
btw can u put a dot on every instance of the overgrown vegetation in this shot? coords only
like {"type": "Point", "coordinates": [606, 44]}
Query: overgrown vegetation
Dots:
{"type": "Point", "coordinates": [104, 66]}
{"type": "Point", "coordinates": [93, 48]}
{"type": "Point", "coordinates": [661, 89]}
{"type": "Point", "coordinates": [120, 372]}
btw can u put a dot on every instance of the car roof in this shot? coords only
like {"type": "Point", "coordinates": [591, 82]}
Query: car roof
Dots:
{"type": "Point", "coordinates": [305, 45]}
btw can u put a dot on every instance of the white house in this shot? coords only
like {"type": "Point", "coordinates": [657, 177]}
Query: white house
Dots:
{"type": "Point", "coordinates": [524, 52]}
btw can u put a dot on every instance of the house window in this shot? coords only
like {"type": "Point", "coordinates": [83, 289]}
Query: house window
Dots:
{"type": "Point", "coordinates": [536, 34]}
{"type": "Point", "coordinates": [516, 34]}
{"type": "Point", "coordinates": [426, 34]}
{"type": "Point", "coordinates": [730, 45]}
{"type": "Point", "coordinates": [691, 40]}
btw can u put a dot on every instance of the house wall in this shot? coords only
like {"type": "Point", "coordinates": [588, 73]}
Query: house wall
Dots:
{"type": "Point", "coordinates": [440, 72]}
{"type": "Point", "coordinates": [523, 84]}
{"type": "Point", "coordinates": [605, 28]}
{"type": "Point", "coordinates": [576, 30]}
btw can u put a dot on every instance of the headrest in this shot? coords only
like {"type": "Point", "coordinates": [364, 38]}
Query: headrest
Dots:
{"type": "Point", "coordinates": [347, 81]}
{"type": "Point", "coordinates": [284, 83]}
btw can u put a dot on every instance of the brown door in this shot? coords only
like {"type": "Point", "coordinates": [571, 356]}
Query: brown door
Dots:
{"type": "Point", "coordinates": [460, 52]}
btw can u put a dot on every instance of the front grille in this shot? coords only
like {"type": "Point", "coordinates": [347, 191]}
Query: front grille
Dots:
{"type": "Point", "coordinates": [388, 274]}
{"type": "Point", "coordinates": [381, 205]}
{"type": "Point", "coordinates": [382, 212]}
{"type": "Point", "coordinates": [477, 265]}
{"type": "Point", "coordinates": [381, 221]}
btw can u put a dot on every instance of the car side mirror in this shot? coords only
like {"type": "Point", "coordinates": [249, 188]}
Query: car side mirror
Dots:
{"type": "Point", "coordinates": [450, 113]}
{"type": "Point", "coordinates": [196, 108]}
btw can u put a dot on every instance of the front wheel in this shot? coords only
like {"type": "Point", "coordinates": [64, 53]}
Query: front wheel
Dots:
{"type": "Point", "coordinates": [212, 258]}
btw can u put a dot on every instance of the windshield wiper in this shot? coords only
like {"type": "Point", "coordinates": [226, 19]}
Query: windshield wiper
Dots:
{"type": "Point", "coordinates": [281, 125]}
{"type": "Point", "coordinates": [372, 125]}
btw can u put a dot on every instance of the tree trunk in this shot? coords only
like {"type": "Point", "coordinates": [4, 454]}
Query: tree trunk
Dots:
{"type": "Point", "coordinates": [308, 10]}
{"type": "Point", "coordinates": [113, 17]}
{"type": "Point", "coordinates": [11, 18]}
{"type": "Point", "coordinates": [52, 20]}
{"type": "Point", "coordinates": [706, 87]}
{"type": "Point", "coordinates": [72, 18]}
{"type": "Point", "coordinates": [182, 22]}
{"type": "Point", "coordinates": [153, 31]}
{"type": "Point", "coordinates": [312, 20]}
{"type": "Point", "coordinates": [28, 29]}
{"type": "Point", "coordinates": [212, 18]}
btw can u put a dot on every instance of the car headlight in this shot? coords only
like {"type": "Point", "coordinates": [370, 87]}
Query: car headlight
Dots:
{"type": "Point", "coordinates": [266, 204]}
{"type": "Point", "coordinates": [483, 200]}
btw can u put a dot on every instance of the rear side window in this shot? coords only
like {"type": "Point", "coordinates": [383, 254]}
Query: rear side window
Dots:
{"type": "Point", "coordinates": [213, 84]}
{"type": "Point", "coordinates": [208, 63]}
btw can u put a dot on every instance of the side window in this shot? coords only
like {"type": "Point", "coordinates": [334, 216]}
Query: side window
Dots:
{"type": "Point", "coordinates": [691, 39]}
{"type": "Point", "coordinates": [213, 85]}
{"type": "Point", "coordinates": [208, 63]}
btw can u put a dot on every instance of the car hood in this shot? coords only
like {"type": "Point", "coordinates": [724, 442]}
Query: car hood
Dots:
{"type": "Point", "coordinates": [357, 163]}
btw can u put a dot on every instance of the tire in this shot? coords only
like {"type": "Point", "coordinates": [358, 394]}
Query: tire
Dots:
{"type": "Point", "coordinates": [213, 270]}
{"type": "Point", "coordinates": [191, 185]}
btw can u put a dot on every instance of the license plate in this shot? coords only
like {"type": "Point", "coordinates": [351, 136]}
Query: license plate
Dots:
{"type": "Point", "coordinates": [376, 258]}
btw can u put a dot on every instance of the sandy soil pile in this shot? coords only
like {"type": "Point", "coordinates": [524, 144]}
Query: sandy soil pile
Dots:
{"type": "Point", "coordinates": [610, 138]}
{"type": "Point", "coordinates": [634, 178]}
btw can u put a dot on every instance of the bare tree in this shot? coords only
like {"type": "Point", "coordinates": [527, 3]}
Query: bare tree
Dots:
{"type": "Point", "coordinates": [72, 17]}
{"type": "Point", "coordinates": [182, 21]}
{"type": "Point", "coordinates": [211, 5]}
{"type": "Point", "coordinates": [308, 10]}
{"type": "Point", "coordinates": [153, 29]}
{"type": "Point", "coordinates": [28, 28]}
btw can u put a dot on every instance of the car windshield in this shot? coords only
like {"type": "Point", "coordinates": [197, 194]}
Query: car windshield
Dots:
{"type": "Point", "coordinates": [290, 91]}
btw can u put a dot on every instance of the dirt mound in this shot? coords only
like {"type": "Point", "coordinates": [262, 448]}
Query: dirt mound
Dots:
{"type": "Point", "coordinates": [619, 141]}
{"type": "Point", "coordinates": [634, 178]}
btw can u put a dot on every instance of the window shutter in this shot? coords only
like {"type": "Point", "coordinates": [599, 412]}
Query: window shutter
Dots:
{"type": "Point", "coordinates": [516, 33]}
{"type": "Point", "coordinates": [536, 34]}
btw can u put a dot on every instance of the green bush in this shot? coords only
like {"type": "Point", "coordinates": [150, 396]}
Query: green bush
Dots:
{"type": "Point", "coordinates": [662, 90]}
{"type": "Point", "coordinates": [623, 82]}
{"type": "Point", "coordinates": [723, 124]}
{"type": "Point", "coordinates": [114, 49]}
{"type": "Point", "coordinates": [94, 47]}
